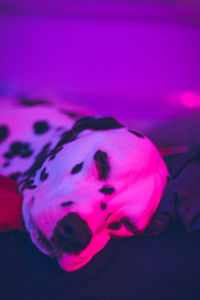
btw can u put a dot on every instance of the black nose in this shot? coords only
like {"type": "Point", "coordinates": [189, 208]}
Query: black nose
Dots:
{"type": "Point", "coordinates": [71, 234]}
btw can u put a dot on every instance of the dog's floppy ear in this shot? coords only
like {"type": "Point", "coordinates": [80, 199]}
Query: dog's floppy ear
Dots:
{"type": "Point", "coordinates": [96, 124]}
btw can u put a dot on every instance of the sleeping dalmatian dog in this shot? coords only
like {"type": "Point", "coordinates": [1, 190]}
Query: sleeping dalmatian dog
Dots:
{"type": "Point", "coordinates": [83, 179]}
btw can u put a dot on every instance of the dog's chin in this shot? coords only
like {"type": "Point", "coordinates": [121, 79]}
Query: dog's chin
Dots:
{"type": "Point", "coordinates": [68, 262]}
{"type": "Point", "coordinates": [71, 263]}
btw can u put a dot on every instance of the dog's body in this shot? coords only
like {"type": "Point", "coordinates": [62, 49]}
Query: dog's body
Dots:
{"type": "Point", "coordinates": [27, 126]}
{"type": "Point", "coordinates": [82, 179]}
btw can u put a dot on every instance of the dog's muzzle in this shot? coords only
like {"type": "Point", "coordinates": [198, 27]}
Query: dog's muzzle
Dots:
{"type": "Point", "coordinates": [72, 234]}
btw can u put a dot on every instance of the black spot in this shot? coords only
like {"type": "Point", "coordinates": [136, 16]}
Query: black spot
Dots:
{"type": "Point", "coordinates": [114, 226]}
{"type": "Point", "coordinates": [77, 168]}
{"type": "Point", "coordinates": [96, 124]}
{"type": "Point", "coordinates": [6, 164]}
{"type": "Point", "coordinates": [41, 127]}
{"type": "Point", "coordinates": [136, 133]}
{"type": "Point", "coordinates": [44, 175]}
{"type": "Point", "coordinates": [29, 185]}
{"type": "Point", "coordinates": [107, 190]}
{"type": "Point", "coordinates": [4, 132]}
{"type": "Point", "coordinates": [69, 113]}
{"type": "Point", "coordinates": [129, 226]}
{"type": "Point", "coordinates": [15, 176]}
{"type": "Point", "coordinates": [83, 124]}
{"type": "Point", "coordinates": [54, 152]}
{"type": "Point", "coordinates": [8, 155]}
{"type": "Point", "coordinates": [68, 203]}
{"type": "Point", "coordinates": [66, 137]}
{"type": "Point", "coordinates": [27, 154]}
{"type": "Point", "coordinates": [24, 101]}
{"type": "Point", "coordinates": [103, 205]}
{"type": "Point", "coordinates": [39, 161]}
{"type": "Point", "coordinates": [168, 178]}
{"type": "Point", "coordinates": [102, 164]}
{"type": "Point", "coordinates": [30, 181]}
{"type": "Point", "coordinates": [19, 149]}
{"type": "Point", "coordinates": [108, 216]}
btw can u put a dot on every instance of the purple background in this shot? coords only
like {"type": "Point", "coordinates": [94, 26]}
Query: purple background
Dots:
{"type": "Point", "coordinates": [132, 60]}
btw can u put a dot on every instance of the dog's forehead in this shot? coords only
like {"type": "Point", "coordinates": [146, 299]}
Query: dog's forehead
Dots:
{"type": "Point", "coordinates": [120, 141]}
{"type": "Point", "coordinates": [124, 150]}
{"type": "Point", "coordinates": [94, 155]}
{"type": "Point", "coordinates": [92, 161]}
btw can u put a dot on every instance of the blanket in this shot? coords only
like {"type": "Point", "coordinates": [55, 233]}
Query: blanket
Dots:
{"type": "Point", "coordinates": [163, 263]}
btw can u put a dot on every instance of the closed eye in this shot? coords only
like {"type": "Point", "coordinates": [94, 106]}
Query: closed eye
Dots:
{"type": "Point", "coordinates": [114, 225]}
{"type": "Point", "coordinates": [128, 225]}
{"type": "Point", "coordinates": [123, 227]}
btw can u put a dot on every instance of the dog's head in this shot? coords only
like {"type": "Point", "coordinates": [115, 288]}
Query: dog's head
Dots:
{"type": "Point", "coordinates": [100, 180]}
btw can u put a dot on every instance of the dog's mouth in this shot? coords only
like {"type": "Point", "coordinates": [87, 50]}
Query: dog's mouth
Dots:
{"type": "Point", "coordinates": [68, 261]}
{"type": "Point", "coordinates": [41, 241]}
{"type": "Point", "coordinates": [44, 244]}
{"type": "Point", "coordinates": [38, 238]}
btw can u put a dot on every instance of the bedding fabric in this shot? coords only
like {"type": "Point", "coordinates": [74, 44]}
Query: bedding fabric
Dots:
{"type": "Point", "coordinates": [164, 263]}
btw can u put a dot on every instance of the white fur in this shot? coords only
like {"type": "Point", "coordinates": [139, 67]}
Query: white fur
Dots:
{"type": "Point", "coordinates": [138, 174]}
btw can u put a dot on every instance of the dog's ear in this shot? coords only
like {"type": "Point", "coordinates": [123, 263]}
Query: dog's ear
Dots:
{"type": "Point", "coordinates": [96, 124]}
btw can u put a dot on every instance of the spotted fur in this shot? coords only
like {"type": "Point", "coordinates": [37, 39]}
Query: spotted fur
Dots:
{"type": "Point", "coordinates": [84, 179]}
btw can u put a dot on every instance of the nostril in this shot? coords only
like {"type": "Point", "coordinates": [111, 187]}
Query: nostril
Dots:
{"type": "Point", "coordinates": [67, 230]}
{"type": "Point", "coordinates": [71, 234]}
